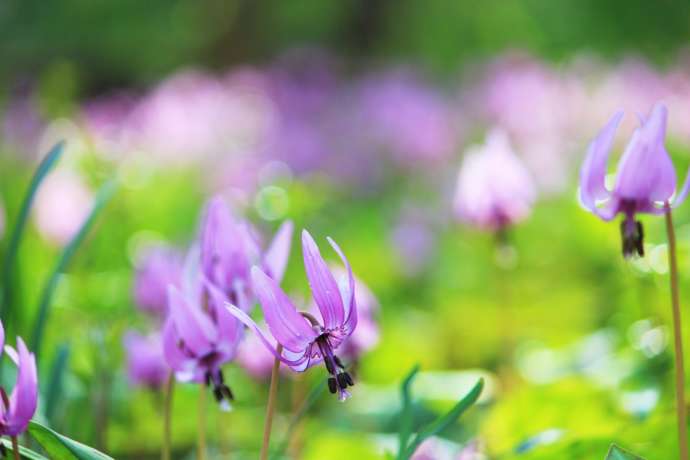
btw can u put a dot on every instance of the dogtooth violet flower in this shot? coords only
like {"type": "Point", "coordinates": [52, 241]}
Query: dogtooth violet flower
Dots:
{"type": "Point", "coordinates": [645, 179]}
{"type": "Point", "coordinates": [200, 335]}
{"type": "Point", "coordinates": [304, 339]}
{"type": "Point", "coordinates": [157, 267]}
{"type": "Point", "coordinates": [20, 406]}
{"type": "Point", "coordinates": [494, 188]}
{"type": "Point", "coordinates": [229, 249]}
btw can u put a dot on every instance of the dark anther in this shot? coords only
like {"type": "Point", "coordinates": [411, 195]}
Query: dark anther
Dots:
{"type": "Point", "coordinates": [338, 362]}
{"type": "Point", "coordinates": [349, 379]}
{"type": "Point", "coordinates": [632, 239]}
{"type": "Point", "coordinates": [227, 392]}
{"type": "Point", "coordinates": [329, 366]}
{"type": "Point", "coordinates": [207, 377]}
{"type": "Point", "coordinates": [342, 381]}
{"type": "Point", "coordinates": [3, 451]}
{"type": "Point", "coordinates": [218, 394]}
{"type": "Point", "coordinates": [221, 379]}
{"type": "Point", "coordinates": [332, 386]}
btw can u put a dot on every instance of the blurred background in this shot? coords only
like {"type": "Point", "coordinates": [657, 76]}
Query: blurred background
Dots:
{"type": "Point", "coordinates": [353, 120]}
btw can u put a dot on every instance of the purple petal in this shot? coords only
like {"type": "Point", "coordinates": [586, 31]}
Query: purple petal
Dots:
{"type": "Point", "coordinates": [24, 396]}
{"type": "Point", "coordinates": [300, 355]}
{"type": "Point", "coordinates": [351, 319]}
{"type": "Point", "coordinates": [229, 328]}
{"type": "Point", "coordinates": [593, 173]}
{"type": "Point", "coordinates": [171, 347]}
{"type": "Point", "coordinates": [323, 286]}
{"type": "Point", "coordinates": [683, 192]}
{"type": "Point", "coordinates": [288, 327]}
{"type": "Point", "coordinates": [194, 327]}
{"type": "Point", "coordinates": [276, 257]}
{"type": "Point", "coordinates": [645, 171]}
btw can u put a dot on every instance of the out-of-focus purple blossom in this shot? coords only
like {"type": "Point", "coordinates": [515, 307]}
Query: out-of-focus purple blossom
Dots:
{"type": "Point", "coordinates": [645, 178]}
{"type": "Point", "coordinates": [62, 204]}
{"type": "Point", "coordinates": [19, 407]}
{"type": "Point", "coordinates": [437, 449]}
{"type": "Point", "coordinates": [494, 188]}
{"type": "Point", "coordinates": [22, 124]}
{"type": "Point", "coordinates": [406, 118]}
{"type": "Point", "coordinates": [304, 339]}
{"type": "Point", "coordinates": [200, 335]}
{"type": "Point", "coordinates": [145, 362]}
{"type": "Point", "coordinates": [157, 268]}
{"type": "Point", "coordinates": [230, 247]}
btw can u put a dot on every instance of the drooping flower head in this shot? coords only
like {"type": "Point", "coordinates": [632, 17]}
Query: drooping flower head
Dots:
{"type": "Point", "coordinates": [157, 268]}
{"type": "Point", "coordinates": [306, 340]}
{"type": "Point", "coordinates": [145, 362]}
{"type": "Point", "coordinates": [494, 188]}
{"type": "Point", "coordinates": [645, 179]}
{"type": "Point", "coordinates": [18, 409]}
{"type": "Point", "coordinates": [229, 248]}
{"type": "Point", "coordinates": [200, 335]}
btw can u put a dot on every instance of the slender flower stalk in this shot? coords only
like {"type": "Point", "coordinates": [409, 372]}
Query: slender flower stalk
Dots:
{"type": "Point", "coordinates": [271, 405]}
{"type": "Point", "coordinates": [677, 338]}
{"type": "Point", "coordinates": [15, 448]}
{"type": "Point", "coordinates": [201, 424]}
{"type": "Point", "coordinates": [167, 417]}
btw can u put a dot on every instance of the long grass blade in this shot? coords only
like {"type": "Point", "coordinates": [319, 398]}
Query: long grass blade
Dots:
{"type": "Point", "coordinates": [8, 263]}
{"type": "Point", "coordinates": [103, 196]}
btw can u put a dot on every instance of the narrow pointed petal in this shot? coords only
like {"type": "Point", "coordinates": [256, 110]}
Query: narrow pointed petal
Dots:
{"type": "Point", "coordinates": [298, 356]}
{"type": "Point", "coordinates": [593, 173]}
{"type": "Point", "coordinates": [24, 397]}
{"type": "Point", "coordinates": [683, 193]}
{"type": "Point", "coordinates": [645, 171]}
{"type": "Point", "coordinates": [171, 349]}
{"type": "Point", "coordinates": [276, 257]}
{"type": "Point", "coordinates": [193, 325]}
{"type": "Point", "coordinates": [322, 283]}
{"type": "Point", "coordinates": [229, 328]}
{"type": "Point", "coordinates": [288, 327]}
{"type": "Point", "coordinates": [351, 318]}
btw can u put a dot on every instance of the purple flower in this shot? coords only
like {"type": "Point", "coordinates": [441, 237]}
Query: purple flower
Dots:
{"type": "Point", "coordinates": [306, 340]}
{"type": "Point", "coordinates": [20, 406]}
{"type": "Point", "coordinates": [200, 335]}
{"type": "Point", "coordinates": [229, 248]}
{"type": "Point", "coordinates": [145, 362]}
{"type": "Point", "coordinates": [645, 181]}
{"type": "Point", "coordinates": [494, 188]}
{"type": "Point", "coordinates": [157, 268]}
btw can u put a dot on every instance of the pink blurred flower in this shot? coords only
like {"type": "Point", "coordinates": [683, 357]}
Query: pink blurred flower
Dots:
{"type": "Point", "coordinates": [62, 204]}
{"type": "Point", "coordinates": [494, 188]}
{"type": "Point", "coordinates": [157, 268]}
{"type": "Point", "coordinates": [145, 362]}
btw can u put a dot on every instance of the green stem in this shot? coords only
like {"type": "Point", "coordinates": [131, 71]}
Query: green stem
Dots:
{"type": "Point", "coordinates": [15, 448]}
{"type": "Point", "coordinates": [271, 405]}
{"type": "Point", "coordinates": [167, 417]}
{"type": "Point", "coordinates": [201, 433]}
{"type": "Point", "coordinates": [677, 338]}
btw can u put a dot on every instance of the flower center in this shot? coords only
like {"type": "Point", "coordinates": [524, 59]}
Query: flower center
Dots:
{"type": "Point", "coordinates": [221, 391]}
{"type": "Point", "coordinates": [632, 236]}
{"type": "Point", "coordinates": [339, 378]}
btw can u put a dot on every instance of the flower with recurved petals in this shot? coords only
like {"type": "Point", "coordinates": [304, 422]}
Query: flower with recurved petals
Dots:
{"type": "Point", "coordinates": [304, 339]}
{"type": "Point", "coordinates": [229, 248]}
{"type": "Point", "coordinates": [645, 180]}
{"type": "Point", "coordinates": [18, 409]}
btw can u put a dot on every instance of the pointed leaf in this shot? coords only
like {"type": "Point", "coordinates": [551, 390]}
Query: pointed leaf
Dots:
{"type": "Point", "coordinates": [61, 447]}
{"type": "Point", "coordinates": [42, 171]}
{"type": "Point", "coordinates": [406, 411]}
{"type": "Point", "coordinates": [53, 391]}
{"type": "Point", "coordinates": [448, 419]}
{"type": "Point", "coordinates": [104, 194]}
{"type": "Point", "coordinates": [617, 453]}
{"type": "Point", "coordinates": [23, 451]}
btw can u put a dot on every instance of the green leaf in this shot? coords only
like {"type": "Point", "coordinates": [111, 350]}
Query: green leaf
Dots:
{"type": "Point", "coordinates": [23, 451]}
{"type": "Point", "coordinates": [104, 194]}
{"type": "Point", "coordinates": [55, 379]}
{"type": "Point", "coordinates": [61, 447]}
{"type": "Point", "coordinates": [18, 231]}
{"type": "Point", "coordinates": [448, 419]}
{"type": "Point", "coordinates": [406, 411]}
{"type": "Point", "coordinates": [618, 453]}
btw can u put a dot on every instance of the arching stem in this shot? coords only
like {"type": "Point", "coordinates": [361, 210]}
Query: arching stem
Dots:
{"type": "Point", "coordinates": [270, 407]}
{"type": "Point", "coordinates": [677, 338]}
